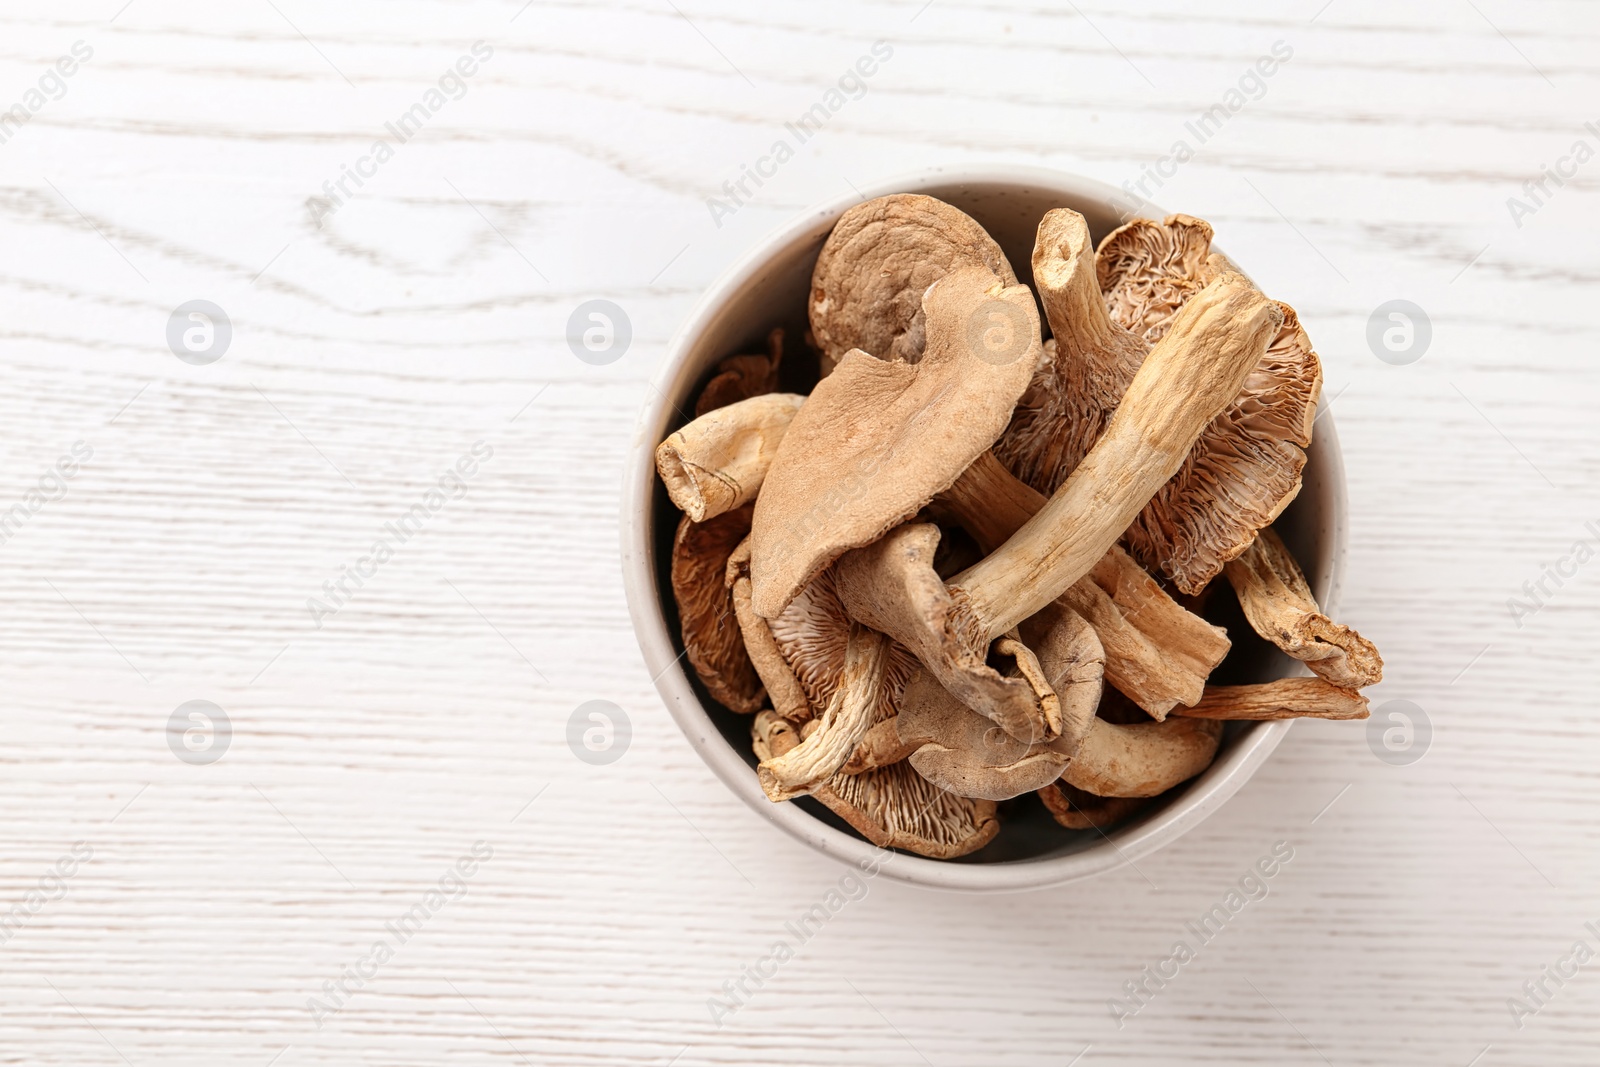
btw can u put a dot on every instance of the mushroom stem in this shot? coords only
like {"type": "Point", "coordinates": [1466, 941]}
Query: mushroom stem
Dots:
{"type": "Point", "coordinates": [1157, 653]}
{"type": "Point", "coordinates": [1287, 698]}
{"type": "Point", "coordinates": [717, 462]}
{"type": "Point", "coordinates": [844, 722]}
{"type": "Point", "coordinates": [1144, 759]}
{"type": "Point", "coordinates": [1190, 375]}
{"type": "Point", "coordinates": [880, 746]}
{"type": "Point", "coordinates": [1277, 600]}
{"type": "Point", "coordinates": [1093, 353]}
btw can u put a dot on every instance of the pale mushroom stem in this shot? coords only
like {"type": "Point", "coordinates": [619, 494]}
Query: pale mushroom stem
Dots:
{"type": "Point", "coordinates": [1157, 653]}
{"type": "Point", "coordinates": [1190, 375]}
{"type": "Point", "coordinates": [1277, 600]}
{"type": "Point", "coordinates": [843, 724]}
{"type": "Point", "coordinates": [717, 462]}
{"type": "Point", "coordinates": [1093, 353]}
{"type": "Point", "coordinates": [1287, 698]}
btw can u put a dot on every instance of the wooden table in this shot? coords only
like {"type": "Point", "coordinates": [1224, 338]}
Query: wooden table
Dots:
{"type": "Point", "coordinates": [227, 912]}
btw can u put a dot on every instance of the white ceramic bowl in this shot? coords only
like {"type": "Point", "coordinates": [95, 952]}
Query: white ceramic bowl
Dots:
{"type": "Point", "coordinates": [768, 287]}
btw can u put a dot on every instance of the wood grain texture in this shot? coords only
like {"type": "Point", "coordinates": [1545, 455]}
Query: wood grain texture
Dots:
{"type": "Point", "coordinates": [429, 312]}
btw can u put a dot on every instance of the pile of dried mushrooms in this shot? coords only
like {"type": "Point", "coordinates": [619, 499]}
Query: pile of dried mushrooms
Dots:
{"type": "Point", "coordinates": [963, 568]}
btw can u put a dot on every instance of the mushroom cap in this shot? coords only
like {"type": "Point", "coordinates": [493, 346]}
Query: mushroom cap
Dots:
{"type": "Point", "coordinates": [866, 289]}
{"type": "Point", "coordinates": [1147, 269]}
{"type": "Point", "coordinates": [711, 637]}
{"type": "Point", "coordinates": [967, 754]}
{"type": "Point", "coordinates": [878, 439]}
{"type": "Point", "coordinates": [892, 806]}
{"type": "Point", "coordinates": [741, 377]}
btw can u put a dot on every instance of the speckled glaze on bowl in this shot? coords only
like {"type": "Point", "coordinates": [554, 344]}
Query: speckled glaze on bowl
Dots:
{"type": "Point", "coordinates": [768, 287]}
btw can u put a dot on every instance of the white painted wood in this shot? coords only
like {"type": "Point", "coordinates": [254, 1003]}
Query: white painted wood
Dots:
{"type": "Point", "coordinates": [428, 314]}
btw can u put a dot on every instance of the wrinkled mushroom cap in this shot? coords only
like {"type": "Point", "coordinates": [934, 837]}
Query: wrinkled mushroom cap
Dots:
{"type": "Point", "coordinates": [866, 290]}
{"type": "Point", "coordinates": [711, 636]}
{"type": "Point", "coordinates": [877, 439]}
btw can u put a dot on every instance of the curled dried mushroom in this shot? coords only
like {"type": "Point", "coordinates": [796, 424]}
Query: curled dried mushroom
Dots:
{"type": "Point", "coordinates": [877, 439]}
{"type": "Point", "coordinates": [877, 572]}
{"type": "Point", "coordinates": [1242, 470]}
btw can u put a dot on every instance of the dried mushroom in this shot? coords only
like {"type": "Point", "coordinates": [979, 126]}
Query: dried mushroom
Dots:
{"type": "Point", "coordinates": [842, 724]}
{"type": "Point", "coordinates": [967, 754]}
{"type": "Point", "coordinates": [1243, 469]}
{"type": "Point", "coordinates": [878, 439]}
{"type": "Point", "coordinates": [868, 284]}
{"type": "Point", "coordinates": [1147, 269]}
{"type": "Point", "coordinates": [1278, 602]}
{"type": "Point", "coordinates": [1144, 759]}
{"type": "Point", "coordinates": [1077, 809]}
{"type": "Point", "coordinates": [964, 753]}
{"type": "Point", "coordinates": [893, 806]}
{"type": "Point", "coordinates": [717, 462]}
{"type": "Point", "coordinates": [741, 377]}
{"type": "Point", "coordinates": [711, 636]}
{"type": "Point", "coordinates": [876, 569]}
{"type": "Point", "coordinates": [1156, 652]}
{"type": "Point", "coordinates": [1287, 698]}
{"type": "Point", "coordinates": [1190, 374]}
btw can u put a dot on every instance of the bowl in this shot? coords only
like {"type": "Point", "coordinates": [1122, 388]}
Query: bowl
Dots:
{"type": "Point", "coordinates": [768, 287]}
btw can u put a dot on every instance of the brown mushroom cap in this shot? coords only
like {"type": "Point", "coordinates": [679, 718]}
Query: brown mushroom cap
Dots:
{"type": "Point", "coordinates": [1242, 473]}
{"type": "Point", "coordinates": [711, 636]}
{"type": "Point", "coordinates": [892, 806]}
{"type": "Point", "coordinates": [741, 377]}
{"type": "Point", "coordinates": [812, 634]}
{"type": "Point", "coordinates": [1245, 466]}
{"type": "Point", "coordinates": [967, 754]}
{"type": "Point", "coordinates": [877, 439]}
{"type": "Point", "coordinates": [866, 289]}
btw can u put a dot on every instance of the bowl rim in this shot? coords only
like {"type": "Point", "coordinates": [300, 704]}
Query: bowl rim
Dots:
{"type": "Point", "coordinates": [1205, 794]}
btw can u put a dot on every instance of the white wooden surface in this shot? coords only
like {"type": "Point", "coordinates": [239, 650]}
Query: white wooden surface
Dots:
{"type": "Point", "coordinates": [429, 313]}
